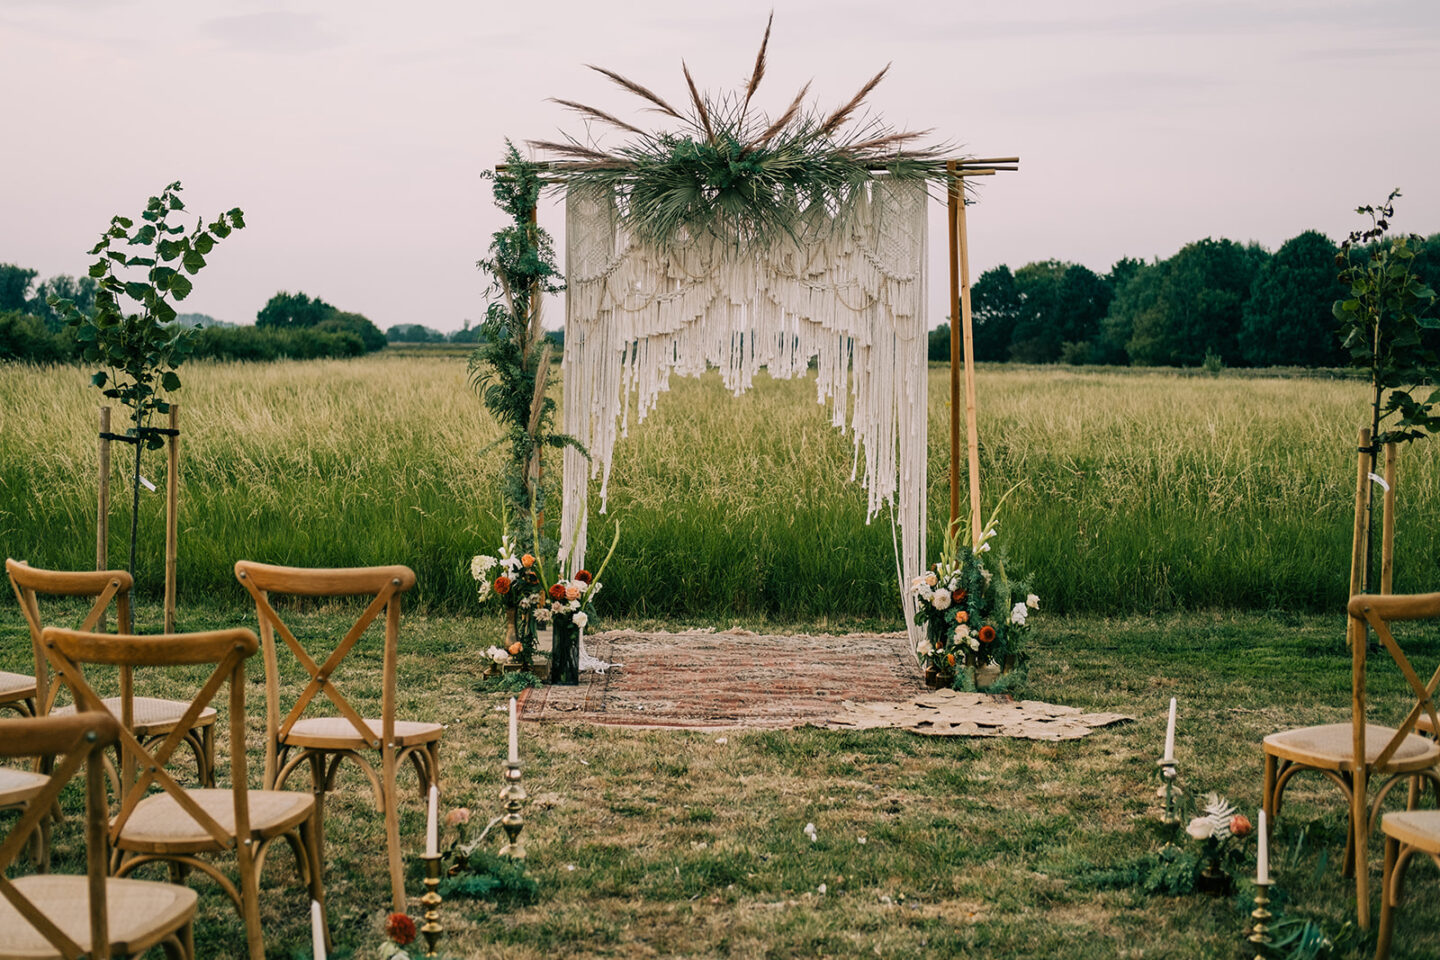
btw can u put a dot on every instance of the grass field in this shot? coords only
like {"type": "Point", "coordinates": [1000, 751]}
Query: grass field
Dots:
{"type": "Point", "coordinates": [671, 844]}
{"type": "Point", "coordinates": [1142, 491]}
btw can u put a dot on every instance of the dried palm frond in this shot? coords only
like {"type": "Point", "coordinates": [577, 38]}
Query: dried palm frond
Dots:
{"type": "Point", "coordinates": [738, 175]}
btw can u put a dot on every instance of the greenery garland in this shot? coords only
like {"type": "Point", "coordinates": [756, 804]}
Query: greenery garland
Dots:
{"type": "Point", "coordinates": [514, 355]}
{"type": "Point", "coordinates": [739, 175]}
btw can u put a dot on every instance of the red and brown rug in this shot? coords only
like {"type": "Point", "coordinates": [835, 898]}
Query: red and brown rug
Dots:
{"type": "Point", "coordinates": [707, 680]}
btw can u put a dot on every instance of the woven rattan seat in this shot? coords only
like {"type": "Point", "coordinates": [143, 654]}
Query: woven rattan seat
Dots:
{"type": "Point", "coordinates": [159, 823]}
{"type": "Point", "coordinates": [1407, 833]}
{"type": "Point", "coordinates": [1416, 828]}
{"type": "Point", "coordinates": [140, 914]}
{"type": "Point", "coordinates": [17, 786]}
{"type": "Point", "coordinates": [1332, 746]}
{"type": "Point", "coordinates": [153, 716]}
{"type": "Point", "coordinates": [338, 733]}
{"type": "Point", "coordinates": [16, 686]}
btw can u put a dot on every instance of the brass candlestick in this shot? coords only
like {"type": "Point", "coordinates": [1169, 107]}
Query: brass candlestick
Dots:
{"type": "Point", "coordinates": [513, 822]}
{"type": "Point", "coordinates": [1169, 789]}
{"type": "Point", "coordinates": [432, 928]}
{"type": "Point", "coordinates": [1260, 930]}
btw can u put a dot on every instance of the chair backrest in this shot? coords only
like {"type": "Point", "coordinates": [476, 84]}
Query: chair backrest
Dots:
{"type": "Point", "coordinates": [227, 650]}
{"type": "Point", "coordinates": [1377, 611]}
{"type": "Point", "coordinates": [103, 585]}
{"type": "Point", "coordinates": [80, 738]}
{"type": "Point", "coordinates": [384, 585]}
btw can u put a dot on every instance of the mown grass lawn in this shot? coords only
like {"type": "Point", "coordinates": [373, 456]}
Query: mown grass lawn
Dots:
{"type": "Point", "coordinates": [661, 844]}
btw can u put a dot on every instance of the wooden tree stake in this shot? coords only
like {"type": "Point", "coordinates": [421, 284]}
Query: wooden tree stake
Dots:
{"type": "Point", "coordinates": [172, 515]}
{"type": "Point", "coordinates": [1387, 522]}
{"type": "Point", "coordinates": [102, 516]}
{"type": "Point", "coordinates": [960, 322]}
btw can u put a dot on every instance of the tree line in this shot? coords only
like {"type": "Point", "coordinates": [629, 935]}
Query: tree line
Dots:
{"type": "Point", "coordinates": [1237, 304]}
{"type": "Point", "coordinates": [289, 326]}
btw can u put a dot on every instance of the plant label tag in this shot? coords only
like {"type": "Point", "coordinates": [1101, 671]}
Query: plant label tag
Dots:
{"type": "Point", "coordinates": [148, 485]}
{"type": "Point", "coordinates": [1380, 480]}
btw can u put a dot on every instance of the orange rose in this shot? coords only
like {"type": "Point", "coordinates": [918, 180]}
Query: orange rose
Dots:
{"type": "Point", "coordinates": [527, 561]}
{"type": "Point", "coordinates": [950, 659]}
{"type": "Point", "coordinates": [987, 634]}
{"type": "Point", "coordinates": [1240, 825]}
{"type": "Point", "coordinates": [962, 616]}
{"type": "Point", "coordinates": [502, 584]}
{"type": "Point", "coordinates": [515, 648]}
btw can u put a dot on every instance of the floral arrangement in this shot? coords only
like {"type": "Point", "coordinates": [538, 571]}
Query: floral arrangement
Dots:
{"type": "Point", "coordinates": [514, 582]}
{"type": "Point", "coordinates": [401, 931]}
{"type": "Point", "coordinates": [974, 615]}
{"type": "Point", "coordinates": [473, 873]}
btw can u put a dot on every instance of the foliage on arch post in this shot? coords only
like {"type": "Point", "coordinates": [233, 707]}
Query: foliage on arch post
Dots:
{"type": "Point", "coordinates": [514, 354]}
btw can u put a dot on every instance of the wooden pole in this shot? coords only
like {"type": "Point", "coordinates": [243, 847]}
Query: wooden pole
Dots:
{"type": "Point", "coordinates": [956, 338]}
{"type": "Point", "coordinates": [1357, 543]}
{"type": "Point", "coordinates": [172, 515]}
{"type": "Point", "coordinates": [102, 515]}
{"type": "Point", "coordinates": [1387, 522]}
{"type": "Point", "coordinates": [972, 429]}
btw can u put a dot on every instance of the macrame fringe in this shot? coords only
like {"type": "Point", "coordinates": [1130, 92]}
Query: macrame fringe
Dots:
{"type": "Point", "coordinates": [854, 302]}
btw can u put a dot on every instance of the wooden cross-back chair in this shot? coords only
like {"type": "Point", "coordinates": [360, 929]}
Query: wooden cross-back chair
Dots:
{"type": "Point", "coordinates": [151, 718]}
{"type": "Point", "coordinates": [1352, 755]}
{"type": "Point", "coordinates": [176, 824]}
{"type": "Point", "coordinates": [1406, 834]}
{"type": "Point", "coordinates": [62, 916]}
{"type": "Point", "coordinates": [325, 741]}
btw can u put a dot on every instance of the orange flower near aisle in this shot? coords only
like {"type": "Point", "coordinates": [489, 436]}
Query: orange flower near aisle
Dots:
{"type": "Point", "coordinates": [950, 658]}
{"type": "Point", "coordinates": [502, 585]}
{"type": "Point", "coordinates": [400, 928]}
{"type": "Point", "coordinates": [987, 634]}
{"type": "Point", "coordinates": [557, 592]}
{"type": "Point", "coordinates": [962, 616]}
{"type": "Point", "coordinates": [528, 560]}
{"type": "Point", "coordinates": [1240, 825]}
{"type": "Point", "coordinates": [515, 648]}
{"type": "Point", "coordinates": [584, 576]}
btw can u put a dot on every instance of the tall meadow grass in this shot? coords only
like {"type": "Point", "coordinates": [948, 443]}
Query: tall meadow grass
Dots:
{"type": "Point", "coordinates": [1140, 491]}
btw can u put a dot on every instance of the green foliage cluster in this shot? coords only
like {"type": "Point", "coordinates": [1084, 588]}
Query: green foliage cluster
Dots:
{"type": "Point", "coordinates": [1383, 323]}
{"type": "Point", "coordinates": [413, 333]}
{"type": "Point", "coordinates": [297, 311]}
{"type": "Point", "coordinates": [1238, 303]}
{"type": "Point", "coordinates": [504, 368]}
{"type": "Point", "coordinates": [486, 876]}
{"type": "Point", "coordinates": [258, 345]}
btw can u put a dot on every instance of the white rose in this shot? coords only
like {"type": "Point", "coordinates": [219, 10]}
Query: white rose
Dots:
{"type": "Point", "coordinates": [1201, 828]}
{"type": "Point", "coordinates": [1018, 614]}
{"type": "Point", "coordinates": [931, 579]}
{"type": "Point", "coordinates": [557, 607]}
{"type": "Point", "coordinates": [1033, 602]}
{"type": "Point", "coordinates": [916, 583]}
{"type": "Point", "coordinates": [974, 643]}
{"type": "Point", "coordinates": [941, 599]}
{"type": "Point", "coordinates": [581, 618]}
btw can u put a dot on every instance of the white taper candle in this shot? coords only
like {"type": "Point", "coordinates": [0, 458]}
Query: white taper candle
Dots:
{"type": "Point", "coordinates": [317, 929]}
{"type": "Point", "coordinates": [1170, 733]}
{"type": "Point", "coordinates": [1262, 853]}
{"type": "Point", "coordinates": [514, 735]}
{"type": "Point", "coordinates": [432, 825]}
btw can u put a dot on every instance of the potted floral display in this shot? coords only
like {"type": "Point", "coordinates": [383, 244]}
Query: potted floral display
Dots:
{"type": "Point", "coordinates": [513, 582]}
{"type": "Point", "coordinates": [975, 616]}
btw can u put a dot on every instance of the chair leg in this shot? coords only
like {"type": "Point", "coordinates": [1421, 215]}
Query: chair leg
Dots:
{"type": "Point", "coordinates": [207, 748]}
{"type": "Point", "coordinates": [392, 828]}
{"type": "Point", "coordinates": [1388, 889]}
{"type": "Point", "coordinates": [310, 832]}
{"type": "Point", "coordinates": [250, 902]}
{"type": "Point", "coordinates": [1360, 826]}
{"type": "Point", "coordinates": [1267, 797]}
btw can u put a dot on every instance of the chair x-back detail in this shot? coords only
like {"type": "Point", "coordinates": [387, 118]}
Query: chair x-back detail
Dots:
{"type": "Point", "coordinates": [176, 824]}
{"type": "Point", "coordinates": [324, 742]}
{"type": "Point", "coordinates": [52, 915]}
{"type": "Point", "coordinates": [1352, 755]}
{"type": "Point", "coordinates": [151, 718]}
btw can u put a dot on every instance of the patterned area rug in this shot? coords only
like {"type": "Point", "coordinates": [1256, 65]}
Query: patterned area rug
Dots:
{"type": "Point", "coordinates": [704, 680]}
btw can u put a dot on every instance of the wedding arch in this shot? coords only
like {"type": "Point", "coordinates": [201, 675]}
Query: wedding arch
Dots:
{"type": "Point", "coordinates": [753, 243]}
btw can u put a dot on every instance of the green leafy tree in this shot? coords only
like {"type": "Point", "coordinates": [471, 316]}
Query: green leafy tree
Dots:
{"type": "Point", "coordinates": [1112, 338]}
{"type": "Point", "coordinates": [995, 306]}
{"type": "Point", "coordinates": [1197, 308]}
{"type": "Point", "coordinates": [130, 335]}
{"type": "Point", "coordinates": [79, 291]}
{"type": "Point", "coordinates": [15, 286]}
{"type": "Point", "coordinates": [1288, 318]}
{"type": "Point", "coordinates": [1081, 302]}
{"type": "Point", "coordinates": [293, 310]}
{"type": "Point", "coordinates": [1035, 337]}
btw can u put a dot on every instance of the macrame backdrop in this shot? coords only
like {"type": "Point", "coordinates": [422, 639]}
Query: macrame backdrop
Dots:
{"type": "Point", "coordinates": [852, 299]}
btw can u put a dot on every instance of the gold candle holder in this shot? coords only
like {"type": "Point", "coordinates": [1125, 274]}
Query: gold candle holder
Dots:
{"type": "Point", "coordinates": [1169, 789]}
{"type": "Point", "coordinates": [1259, 938]}
{"type": "Point", "coordinates": [432, 928]}
{"type": "Point", "coordinates": [513, 821]}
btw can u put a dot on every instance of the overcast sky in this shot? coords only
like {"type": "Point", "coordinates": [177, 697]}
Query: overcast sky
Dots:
{"type": "Point", "coordinates": [353, 133]}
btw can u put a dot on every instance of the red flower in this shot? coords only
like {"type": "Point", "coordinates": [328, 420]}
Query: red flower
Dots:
{"type": "Point", "coordinates": [557, 592]}
{"type": "Point", "coordinates": [1240, 825]}
{"type": "Point", "coordinates": [400, 928]}
{"type": "Point", "coordinates": [958, 596]}
{"type": "Point", "coordinates": [584, 576]}
{"type": "Point", "coordinates": [502, 584]}
{"type": "Point", "coordinates": [987, 634]}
